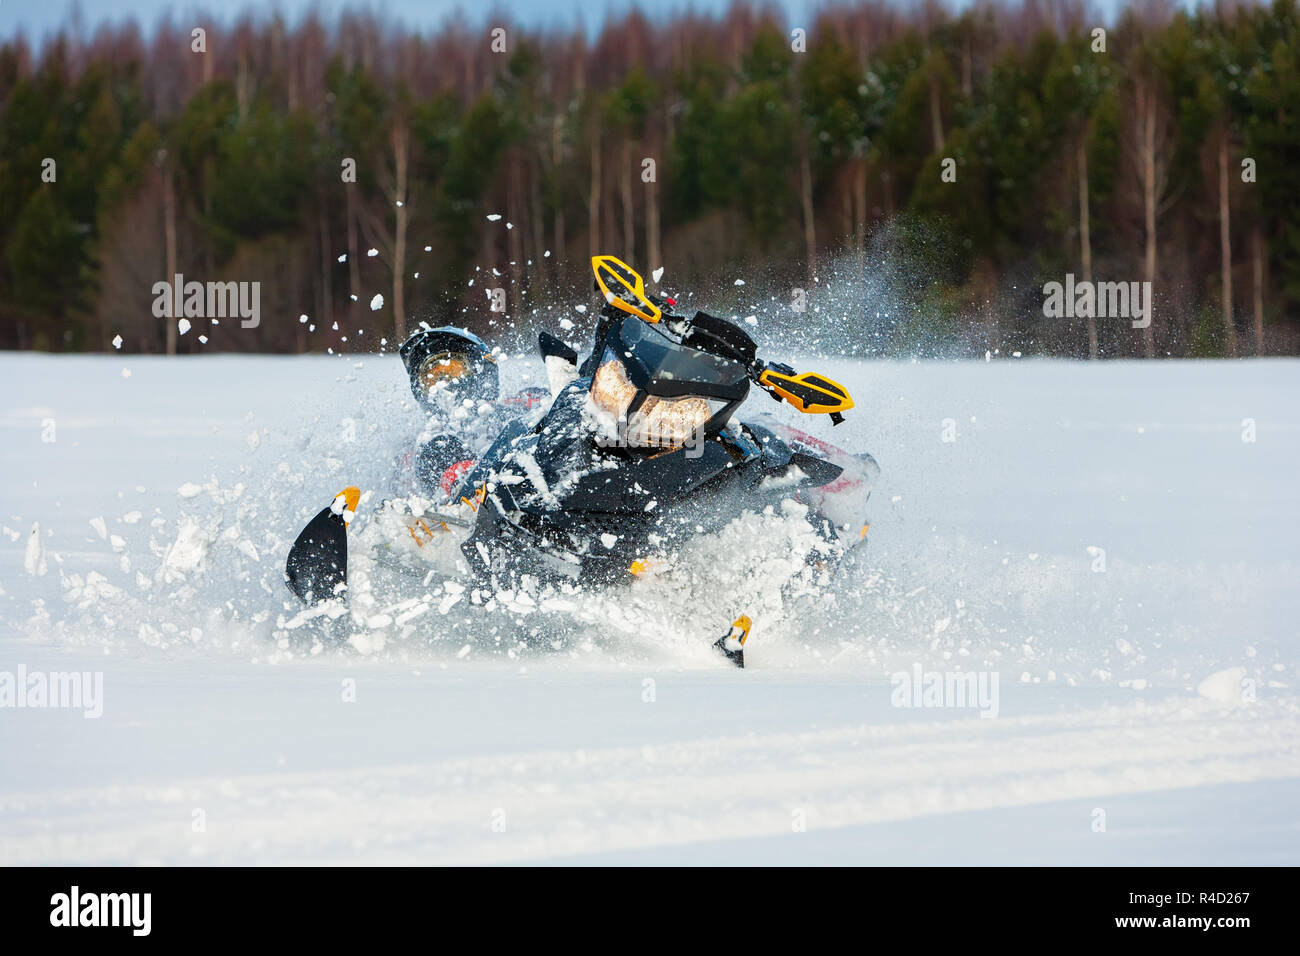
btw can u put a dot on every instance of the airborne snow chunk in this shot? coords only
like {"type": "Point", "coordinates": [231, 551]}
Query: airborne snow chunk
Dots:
{"type": "Point", "coordinates": [34, 557]}
{"type": "Point", "coordinates": [1223, 686]}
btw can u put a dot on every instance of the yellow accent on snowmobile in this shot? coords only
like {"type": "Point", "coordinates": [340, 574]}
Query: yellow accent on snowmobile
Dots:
{"type": "Point", "coordinates": [742, 624]}
{"type": "Point", "coordinates": [611, 270]}
{"type": "Point", "coordinates": [351, 496]}
{"type": "Point", "coordinates": [643, 566]}
{"type": "Point", "coordinates": [423, 526]}
{"type": "Point", "coordinates": [480, 495]}
{"type": "Point", "coordinates": [811, 393]}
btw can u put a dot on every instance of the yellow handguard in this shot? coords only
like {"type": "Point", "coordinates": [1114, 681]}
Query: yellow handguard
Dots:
{"type": "Point", "coordinates": [811, 393]}
{"type": "Point", "coordinates": [611, 271]}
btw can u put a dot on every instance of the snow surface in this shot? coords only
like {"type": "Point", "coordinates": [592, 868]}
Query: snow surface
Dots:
{"type": "Point", "coordinates": [1099, 538]}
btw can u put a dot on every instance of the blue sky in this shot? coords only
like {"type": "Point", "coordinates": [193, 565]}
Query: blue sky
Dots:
{"type": "Point", "coordinates": [38, 18]}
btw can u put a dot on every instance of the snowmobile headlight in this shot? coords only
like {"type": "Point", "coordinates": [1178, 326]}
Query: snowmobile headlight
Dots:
{"type": "Point", "coordinates": [611, 389]}
{"type": "Point", "coordinates": [443, 367]}
{"type": "Point", "coordinates": [659, 422]}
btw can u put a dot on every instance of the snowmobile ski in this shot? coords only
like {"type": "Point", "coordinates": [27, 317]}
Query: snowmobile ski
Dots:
{"type": "Point", "coordinates": [317, 567]}
{"type": "Point", "coordinates": [732, 644]}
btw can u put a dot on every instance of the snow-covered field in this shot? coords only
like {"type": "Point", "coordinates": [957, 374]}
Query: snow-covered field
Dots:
{"type": "Point", "coordinates": [1114, 545]}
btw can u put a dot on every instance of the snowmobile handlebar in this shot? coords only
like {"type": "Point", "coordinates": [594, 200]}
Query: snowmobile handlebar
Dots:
{"type": "Point", "coordinates": [624, 290]}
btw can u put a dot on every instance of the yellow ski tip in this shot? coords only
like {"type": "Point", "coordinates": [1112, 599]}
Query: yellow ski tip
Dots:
{"type": "Point", "coordinates": [345, 503]}
{"type": "Point", "coordinates": [740, 629]}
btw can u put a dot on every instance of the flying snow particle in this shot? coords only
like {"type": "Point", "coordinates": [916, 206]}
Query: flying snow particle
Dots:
{"type": "Point", "coordinates": [510, 225]}
{"type": "Point", "coordinates": [203, 339]}
{"type": "Point", "coordinates": [343, 258]}
{"type": "Point", "coordinates": [188, 490]}
{"type": "Point", "coordinates": [566, 324]}
{"type": "Point", "coordinates": [335, 326]}
{"type": "Point", "coordinates": [428, 248]}
{"type": "Point", "coordinates": [183, 326]}
{"type": "Point", "coordinates": [117, 341]}
{"type": "Point", "coordinates": [34, 557]}
{"type": "Point", "coordinates": [546, 254]}
{"type": "Point", "coordinates": [376, 303]}
{"type": "Point", "coordinates": [751, 320]}
{"type": "Point", "coordinates": [739, 282]}
{"type": "Point", "coordinates": [493, 217]}
{"type": "Point", "coordinates": [657, 274]}
{"type": "Point", "coordinates": [581, 308]}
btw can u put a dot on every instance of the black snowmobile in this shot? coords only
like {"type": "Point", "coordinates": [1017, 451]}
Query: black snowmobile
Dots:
{"type": "Point", "coordinates": [637, 453]}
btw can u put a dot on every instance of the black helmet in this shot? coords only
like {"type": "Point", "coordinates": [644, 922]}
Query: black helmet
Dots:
{"type": "Point", "coordinates": [456, 357]}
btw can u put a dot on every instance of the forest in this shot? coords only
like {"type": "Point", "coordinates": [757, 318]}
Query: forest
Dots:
{"type": "Point", "coordinates": [879, 181]}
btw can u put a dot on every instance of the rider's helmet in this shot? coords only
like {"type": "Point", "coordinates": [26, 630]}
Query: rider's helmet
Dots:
{"type": "Point", "coordinates": [452, 360]}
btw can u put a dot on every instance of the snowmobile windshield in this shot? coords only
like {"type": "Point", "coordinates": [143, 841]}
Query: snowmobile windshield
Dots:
{"type": "Point", "coordinates": [663, 394]}
{"type": "Point", "coordinates": [660, 366]}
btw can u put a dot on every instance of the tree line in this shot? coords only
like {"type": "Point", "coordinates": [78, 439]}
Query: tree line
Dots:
{"type": "Point", "coordinates": [949, 165]}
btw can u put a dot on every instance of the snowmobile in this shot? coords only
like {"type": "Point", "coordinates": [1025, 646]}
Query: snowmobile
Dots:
{"type": "Point", "coordinates": [636, 453]}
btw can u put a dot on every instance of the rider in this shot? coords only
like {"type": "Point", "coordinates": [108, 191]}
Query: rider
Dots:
{"type": "Point", "coordinates": [455, 379]}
